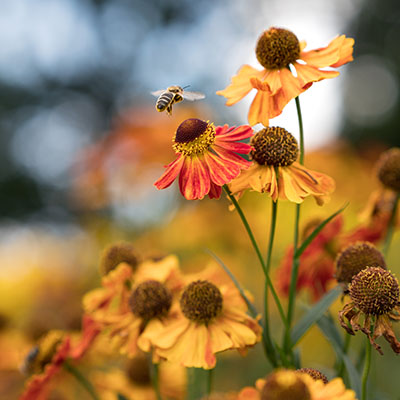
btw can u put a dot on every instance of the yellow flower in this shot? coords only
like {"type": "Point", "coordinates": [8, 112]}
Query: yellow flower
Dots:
{"type": "Point", "coordinates": [275, 171]}
{"type": "Point", "coordinates": [276, 85]}
{"type": "Point", "coordinates": [287, 384]}
{"type": "Point", "coordinates": [135, 302]}
{"type": "Point", "coordinates": [213, 319]}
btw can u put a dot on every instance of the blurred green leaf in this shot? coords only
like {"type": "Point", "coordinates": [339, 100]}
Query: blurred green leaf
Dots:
{"type": "Point", "coordinates": [330, 331]}
{"type": "Point", "coordinates": [121, 397]}
{"type": "Point", "coordinates": [315, 232]}
{"type": "Point", "coordinates": [314, 314]}
{"type": "Point", "coordinates": [197, 387]}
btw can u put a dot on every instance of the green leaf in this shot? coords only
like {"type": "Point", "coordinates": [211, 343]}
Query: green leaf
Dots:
{"type": "Point", "coordinates": [315, 232]}
{"type": "Point", "coordinates": [250, 305]}
{"type": "Point", "coordinates": [314, 314]}
{"type": "Point", "coordinates": [329, 329]}
{"type": "Point", "coordinates": [197, 385]}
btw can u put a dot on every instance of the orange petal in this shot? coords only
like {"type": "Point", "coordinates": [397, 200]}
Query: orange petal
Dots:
{"type": "Point", "coordinates": [233, 133]}
{"type": "Point", "coordinates": [263, 108]}
{"type": "Point", "coordinates": [221, 171]}
{"type": "Point", "coordinates": [249, 393]}
{"type": "Point", "coordinates": [346, 53]}
{"type": "Point", "coordinates": [240, 85]}
{"type": "Point", "coordinates": [325, 56]}
{"type": "Point", "coordinates": [194, 179]}
{"type": "Point", "coordinates": [170, 174]}
{"type": "Point", "coordinates": [291, 88]}
{"type": "Point", "coordinates": [308, 73]}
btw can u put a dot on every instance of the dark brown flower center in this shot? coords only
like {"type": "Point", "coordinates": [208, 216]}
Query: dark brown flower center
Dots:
{"type": "Point", "coordinates": [314, 373]}
{"type": "Point", "coordinates": [193, 136]}
{"type": "Point", "coordinates": [355, 258]}
{"type": "Point", "coordinates": [150, 299]}
{"type": "Point", "coordinates": [374, 291]}
{"type": "Point", "coordinates": [277, 48]}
{"type": "Point", "coordinates": [285, 385]}
{"type": "Point", "coordinates": [274, 146]}
{"type": "Point", "coordinates": [115, 255]}
{"type": "Point", "coordinates": [389, 169]}
{"type": "Point", "coordinates": [138, 372]}
{"type": "Point", "coordinates": [201, 301]}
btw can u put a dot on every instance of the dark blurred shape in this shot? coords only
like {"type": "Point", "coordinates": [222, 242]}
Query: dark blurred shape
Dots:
{"type": "Point", "coordinates": [372, 102]}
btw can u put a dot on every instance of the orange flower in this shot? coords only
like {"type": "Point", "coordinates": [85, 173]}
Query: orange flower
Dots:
{"type": "Point", "coordinates": [285, 384]}
{"type": "Point", "coordinates": [275, 171]}
{"type": "Point", "coordinates": [46, 359]}
{"type": "Point", "coordinates": [136, 302]}
{"type": "Point", "coordinates": [213, 319]}
{"type": "Point", "coordinates": [207, 158]}
{"type": "Point", "coordinates": [276, 85]}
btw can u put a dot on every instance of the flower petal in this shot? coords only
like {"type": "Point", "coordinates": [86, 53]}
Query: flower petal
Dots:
{"type": "Point", "coordinates": [221, 171]}
{"type": "Point", "coordinates": [215, 191]}
{"type": "Point", "coordinates": [233, 134]}
{"type": "Point", "coordinates": [263, 108]}
{"type": "Point", "coordinates": [308, 73]}
{"type": "Point", "coordinates": [171, 173]}
{"type": "Point", "coordinates": [240, 84]}
{"type": "Point", "coordinates": [194, 179]}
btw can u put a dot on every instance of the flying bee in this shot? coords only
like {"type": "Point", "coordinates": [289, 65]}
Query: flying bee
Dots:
{"type": "Point", "coordinates": [174, 94]}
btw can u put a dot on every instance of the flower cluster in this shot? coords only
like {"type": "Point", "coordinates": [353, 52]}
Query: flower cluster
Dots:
{"type": "Point", "coordinates": [182, 319]}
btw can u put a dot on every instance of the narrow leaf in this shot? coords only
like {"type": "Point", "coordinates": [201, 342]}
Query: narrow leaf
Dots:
{"type": "Point", "coordinates": [250, 305]}
{"type": "Point", "coordinates": [329, 329]}
{"type": "Point", "coordinates": [315, 232]}
{"type": "Point", "coordinates": [314, 314]}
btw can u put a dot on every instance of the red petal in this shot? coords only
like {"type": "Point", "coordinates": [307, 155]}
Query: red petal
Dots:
{"type": "Point", "coordinates": [233, 134]}
{"type": "Point", "coordinates": [221, 171]}
{"type": "Point", "coordinates": [215, 191]}
{"type": "Point", "coordinates": [194, 180]}
{"type": "Point", "coordinates": [228, 155]}
{"type": "Point", "coordinates": [170, 174]}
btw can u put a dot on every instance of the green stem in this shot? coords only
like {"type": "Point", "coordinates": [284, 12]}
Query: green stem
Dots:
{"type": "Point", "coordinates": [367, 365]}
{"type": "Point", "coordinates": [155, 380]}
{"type": "Point", "coordinates": [274, 212]}
{"type": "Point", "coordinates": [81, 379]}
{"type": "Point", "coordinates": [296, 262]}
{"type": "Point", "coordinates": [391, 224]}
{"type": "Point", "coordinates": [258, 252]}
{"type": "Point", "coordinates": [301, 130]}
{"type": "Point", "coordinates": [209, 382]}
{"type": "Point", "coordinates": [340, 369]}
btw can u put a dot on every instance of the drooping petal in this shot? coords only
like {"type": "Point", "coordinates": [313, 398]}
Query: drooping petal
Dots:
{"type": "Point", "coordinates": [215, 191]}
{"type": "Point", "coordinates": [171, 173]}
{"type": "Point", "coordinates": [194, 179]}
{"type": "Point", "coordinates": [233, 134]}
{"type": "Point", "coordinates": [273, 80]}
{"type": "Point", "coordinates": [288, 187]}
{"type": "Point", "coordinates": [263, 108]}
{"type": "Point", "coordinates": [346, 53]}
{"type": "Point", "coordinates": [240, 84]}
{"type": "Point", "coordinates": [326, 56]}
{"type": "Point", "coordinates": [308, 73]}
{"type": "Point", "coordinates": [235, 158]}
{"type": "Point", "coordinates": [291, 88]}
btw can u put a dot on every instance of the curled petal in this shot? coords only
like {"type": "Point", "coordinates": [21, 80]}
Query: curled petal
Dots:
{"type": "Point", "coordinates": [308, 73]}
{"type": "Point", "coordinates": [170, 174]}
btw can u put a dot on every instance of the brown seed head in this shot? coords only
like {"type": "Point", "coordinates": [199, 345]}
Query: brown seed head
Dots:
{"type": "Point", "coordinates": [277, 48]}
{"type": "Point", "coordinates": [356, 257]}
{"type": "Point", "coordinates": [116, 254]}
{"type": "Point", "coordinates": [150, 299]}
{"type": "Point", "coordinates": [374, 291]}
{"type": "Point", "coordinates": [201, 301]}
{"type": "Point", "coordinates": [138, 371]}
{"type": "Point", "coordinates": [274, 146]}
{"type": "Point", "coordinates": [314, 373]}
{"type": "Point", "coordinates": [389, 169]}
{"type": "Point", "coordinates": [285, 385]}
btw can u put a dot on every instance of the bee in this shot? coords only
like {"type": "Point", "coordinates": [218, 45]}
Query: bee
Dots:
{"type": "Point", "coordinates": [174, 94]}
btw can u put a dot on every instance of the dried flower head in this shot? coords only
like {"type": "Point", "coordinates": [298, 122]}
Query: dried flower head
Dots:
{"type": "Point", "coordinates": [116, 254]}
{"type": "Point", "coordinates": [314, 373]}
{"type": "Point", "coordinates": [374, 292]}
{"type": "Point", "coordinates": [354, 258]}
{"type": "Point", "coordinates": [389, 169]}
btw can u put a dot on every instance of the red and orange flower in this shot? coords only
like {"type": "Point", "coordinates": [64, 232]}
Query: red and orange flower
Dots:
{"type": "Point", "coordinates": [207, 158]}
{"type": "Point", "coordinates": [277, 49]}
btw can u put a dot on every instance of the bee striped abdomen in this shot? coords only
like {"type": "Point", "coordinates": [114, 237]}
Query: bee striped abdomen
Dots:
{"type": "Point", "coordinates": [164, 101]}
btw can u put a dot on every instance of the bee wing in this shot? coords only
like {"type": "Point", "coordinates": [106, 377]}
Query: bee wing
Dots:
{"type": "Point", "coordinates": [157, 93]}
{"type": "Point", "coordinates": [193, 96]}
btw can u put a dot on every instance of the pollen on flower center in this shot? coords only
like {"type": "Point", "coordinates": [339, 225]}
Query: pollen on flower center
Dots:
{"type": "Point", "coordinates": [274, 146]}
{"type": "Point", "coordinates": [193, 137]}
{"type": "Point", "coordinates": [201, 301]}
{"type": "Point", "coordinates": [314, 373]}
{"type": "Point", "coordinates": [355, 258]}
{"type": "Point", "coordinates": [374, 291]}
{"type": "Point", "coordinates": [150, 299]}
{"type": "Point", "coordinates": [277, 48]}
{"type": "Point", "coordinates": [285, 385]}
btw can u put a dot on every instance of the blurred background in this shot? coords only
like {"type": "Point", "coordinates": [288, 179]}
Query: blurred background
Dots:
{"type": "Point", "coordinates": [81, 143]}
